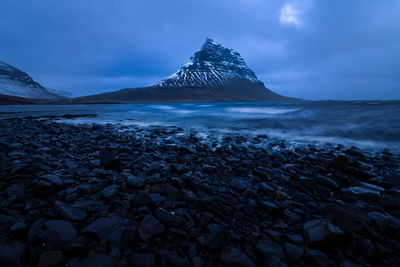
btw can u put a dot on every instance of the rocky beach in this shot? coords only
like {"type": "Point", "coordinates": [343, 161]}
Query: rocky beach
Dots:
{"type": "Point", "coordinates": [109, 195]}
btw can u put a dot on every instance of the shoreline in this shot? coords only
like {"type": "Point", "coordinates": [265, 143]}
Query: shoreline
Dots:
{"type": "Point", "coordinates": [90, 194]}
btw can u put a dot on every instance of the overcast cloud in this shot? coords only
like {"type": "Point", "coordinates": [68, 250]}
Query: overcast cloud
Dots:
{"type": "Point", "coordinates": [302, 48]}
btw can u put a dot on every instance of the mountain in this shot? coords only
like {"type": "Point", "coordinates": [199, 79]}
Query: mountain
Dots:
{"type": "Point", "coordinates": [214, 73]}
{"type": "Point", "coordinates": [14, 82]}
{"type": "Point", "coordinates": [212, 66]}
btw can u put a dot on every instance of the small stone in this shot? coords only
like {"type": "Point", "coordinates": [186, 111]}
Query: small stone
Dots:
{"type": "Point", "coordinates": [54, 179]}
{"type": "Point", "coordinates": [64, 229]}
{"type": "Point", "coordinates": [231, 256]}
{"type": "Point", "coordinates": [51, 258]}
{"type": "Point", "coordinates": [238, 184]}
{"type": "Point", "coordinates": [102, 227]}
{"type": "Point", "coordinates": [110, 192]}
{"type": "Point", "coordinates": [6, 222]}
{"type": "Point", "coordinates": [142, 260]}
{"type": "Point", "coordinates": [97, 260]}
{"type": "Point", "coordinates": [150, 227]}
{"type": "Point", "coordinates": [12, 254]}
{"type": "Point", "coordinates": [269, 249]}
{"type": "Point", "coordinates": [74, 214]}
{"type": "Point", "coordinates": [317, 258]}
{"type": "Point", "coordinates": [18, 228]}
{"type": "Point", "coordinates": [321, 230]}
{"type": "Point", "coordinates": [169, 218]}
{"type": "Point", "coordinates": [293, 252]}
{"type": "Point", "coordinates": [140, 199]}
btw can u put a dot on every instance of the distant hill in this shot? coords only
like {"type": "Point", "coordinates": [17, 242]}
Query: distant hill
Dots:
{"type": "Point", "coordinates": [14, 82]}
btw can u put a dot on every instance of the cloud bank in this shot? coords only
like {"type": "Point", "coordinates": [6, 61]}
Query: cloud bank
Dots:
{"type": "Point", "coordinates": [301, 48]}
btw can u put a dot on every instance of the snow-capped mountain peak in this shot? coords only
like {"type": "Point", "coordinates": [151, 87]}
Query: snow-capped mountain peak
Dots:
{"type": "Point", "coordinates": [212, 66]}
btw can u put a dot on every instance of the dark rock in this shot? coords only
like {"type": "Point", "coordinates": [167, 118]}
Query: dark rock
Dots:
{"type": "Point", "coordinates": [172, 193]}
{"type": "Point", "coordinates": [265, 188]}
{"type": "Point", "coordinates": [64, 229]}
{"type": "Point", "coordinates": [150, 227]}
{"type": "Point", "coordinates": [123, 237]}
{"type": "Point", "coordinates": [169, 218]}
{"type": "Point", "coordinates": [217, 237]}
{"type": "Point", "coordinates": [380, 219]}
{"type": "Point", "coordinates": [317, 258]}
{"type": "Point", "coordinates": [271, 207]}
{"type": "Point", "coordinates": [361, 192]}
{"type": "Point", "coordinates": [293, 252]}
{"type": "Point", "coordinates": [74, 214]}
{"type": "Point", "coordinates": [140, 199]}
{"type": "Point", "coordinates": [321, 231]}
{"type": "Point", "coordinates": [171, 258]}
{"type": "Point", "coordinates": [54, 179]}
{"type": "Point", "coordinates": [51, 259]}
{"type": "Point", "coordinates": [12, 254]}
{"type": "Point", "coordinates": [6, 222]}
{"type": "Point", "coordinates": [238, 184]}
{"type": "Point", "coordinates": [142, 260]}
{"type": "Point", "coordinates": [102, 227]}
{"type": "Point", "coordinates": [269, 249]}
{"type": "Point", "coordinates": [18, 228]}
{"type": "Point", "coordinates": [110, 160]}
{"type": "Point", "coordinates": [98, 260]}
{"type": "Point", "coordinates": [110, 192]}
{"type": "Point", "coordinates": [327, 182]}
{"type": "Point", "coordinates": [231, 256]}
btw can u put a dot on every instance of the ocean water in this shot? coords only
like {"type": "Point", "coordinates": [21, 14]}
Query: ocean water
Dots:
{"type": "Point", "coordinates": [366, 124]}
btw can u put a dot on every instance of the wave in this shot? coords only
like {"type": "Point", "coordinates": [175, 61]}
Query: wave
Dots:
{"type": "Point", "coordinates": [263, 110]}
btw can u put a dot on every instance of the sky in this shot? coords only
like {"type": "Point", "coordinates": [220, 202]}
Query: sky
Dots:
{"type": "Point", "coordinates": [313, 49]}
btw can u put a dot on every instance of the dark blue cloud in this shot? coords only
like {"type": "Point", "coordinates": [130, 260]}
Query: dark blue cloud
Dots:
{"type": "Point", "coordinates": [304, 48]}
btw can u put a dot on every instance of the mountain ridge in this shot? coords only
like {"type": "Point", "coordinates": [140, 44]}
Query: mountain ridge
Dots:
{"type": "Point", "coordinates": [14, 82]}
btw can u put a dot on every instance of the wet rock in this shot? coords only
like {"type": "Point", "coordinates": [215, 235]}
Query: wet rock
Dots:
{"type": "Point", "coordinates": [110, 192]}
{"type": "Point", "coordinates": [110, 160]}
{"type": "Point", "coordinates": [317, 258]}
{"type": "Point", "coordinates": [231, 256]}
{"type": "Point", "coordinates": [123, 237]}
{"type": "Point", "coordinates": [325, 181]}
{"type": "Point", "coordinates": [142, 260]}
{"type": "Point", "coordinates": [323, 231]}
{"type": "Point", "coordinates": [361, 192]}
{"type": "Point", "coordinates": [140, 199]}
{"type": "Point", "coordinates": [73, 214]}
{"type": "Point", "coordinates": [18, 228]}
{"type": "Point", "coordinates": [216, 238]}
{"type": "Point", "coordinates": [6, 222]}
{"type": "Point", "coordinates": [238, 184]}
{"type": "Point", "coordinates": [150, 227]}
{"type": "Point", "coordinates": [172, 193]}
{"type": "Point", "coordinates": [293, 252]}
{"type": "Point", "coordinates": [102, 227]}
{"type": "Point", "coordinates": [12, 254]}
{"type": "Point", "coordinates": [380, 219]}
{"type": "Point", "coordinates": [171, 258]}
{"type": "Point", "coordinates": [64, 229]}
{"type": "Point", "coordinates": [51, 259]}
{"type": "Point", "coordinates": [269, 249]}
{"type": "Point", "coordinates": [98, 260]}
{"type": "Point", "coordinates": [169, 218]}
{"type": "Point", "coordinates": [54, 179]}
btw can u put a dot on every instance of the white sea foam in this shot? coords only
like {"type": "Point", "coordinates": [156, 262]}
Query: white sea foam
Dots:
{"type": "Point", "coordinates": [263, 110]}
{"type": "Point", "coordinates": [163, 107]}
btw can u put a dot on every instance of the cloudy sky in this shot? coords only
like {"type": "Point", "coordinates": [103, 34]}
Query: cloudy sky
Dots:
{"type": "Point", "coordinates": [314, 49]}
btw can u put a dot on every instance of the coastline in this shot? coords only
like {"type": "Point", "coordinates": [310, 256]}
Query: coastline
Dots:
{"type": "Point", "coordinates": [89, 194]}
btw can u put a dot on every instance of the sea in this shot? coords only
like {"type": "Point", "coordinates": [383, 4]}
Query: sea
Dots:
{"type": "Point", "coordinates": [370, 125]}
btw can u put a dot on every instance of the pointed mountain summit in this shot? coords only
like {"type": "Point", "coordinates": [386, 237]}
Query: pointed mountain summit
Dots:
{"type": "Point", "coordinates": [14, 82]}
{"type": "Point", "coordinates": [214, 65]}
{"type": "Point", "coordinates": [213, 74]}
